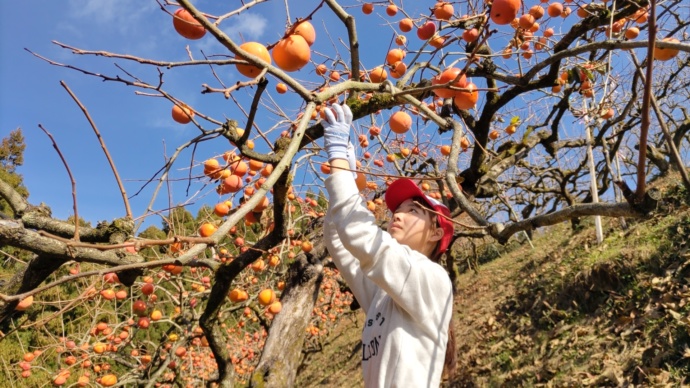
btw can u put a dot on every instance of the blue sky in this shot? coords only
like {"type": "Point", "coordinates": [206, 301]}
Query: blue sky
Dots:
{"type": "Point", "coordinates": [137, 130]}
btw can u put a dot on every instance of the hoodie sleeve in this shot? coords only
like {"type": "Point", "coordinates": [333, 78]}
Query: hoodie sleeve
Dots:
{"type": "Point", "coordinates": [362, 288]}
{"type": "Point", "coordinates": [415, 283]}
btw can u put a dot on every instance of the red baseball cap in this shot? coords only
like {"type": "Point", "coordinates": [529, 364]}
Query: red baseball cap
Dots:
{"type": "Point", "coordinates": [403, 189]}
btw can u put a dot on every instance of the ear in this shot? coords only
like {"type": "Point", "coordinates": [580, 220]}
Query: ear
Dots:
{"type": "Point", "coordinates": [436, 234]}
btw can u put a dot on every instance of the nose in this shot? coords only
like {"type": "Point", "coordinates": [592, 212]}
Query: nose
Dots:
{"type": "Point", "coordinates": [396, 216]}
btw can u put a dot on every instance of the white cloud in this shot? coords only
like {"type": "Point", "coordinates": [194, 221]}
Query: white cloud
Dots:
{"type": "Point", "coordinates": [242, 28]}
{"type": "Point", "coordinates": [249, 26]}
{"type": "Point", "coordinates": [125, 15]}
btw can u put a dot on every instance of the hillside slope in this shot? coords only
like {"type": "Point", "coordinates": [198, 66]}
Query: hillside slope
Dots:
{"type": "Point", "coordinates": [567, 312]}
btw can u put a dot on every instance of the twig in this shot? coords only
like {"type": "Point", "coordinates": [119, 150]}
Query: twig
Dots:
{"type": "Point", "coordinates": [349, 22]}
{"type": "Point", "coordinates": [662, 123]}
{"type": "Point", "coordinates": [128, 210]}
{"type": "Point", "coordinates": [71, 178]}
{"type": "Point", "coordinates": [644, 125]}
{"type": "Point", "coordinates": [252, 59]}
{"type": "Point", "coordinates": [150, 264]}
{"type": "Point", "coordinates": [239, 84]}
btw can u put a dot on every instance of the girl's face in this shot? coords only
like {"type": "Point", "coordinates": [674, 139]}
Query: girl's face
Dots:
{"type": "Point", "coordinates": [414, 226]}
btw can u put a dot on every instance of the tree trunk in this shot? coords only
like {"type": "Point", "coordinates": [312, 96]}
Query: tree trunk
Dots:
{"type": "Point", "coordinates": [282, 353]}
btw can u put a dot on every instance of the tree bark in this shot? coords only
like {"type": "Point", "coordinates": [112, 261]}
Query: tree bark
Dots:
{"type": "Point", "coordinates": [282, 352]}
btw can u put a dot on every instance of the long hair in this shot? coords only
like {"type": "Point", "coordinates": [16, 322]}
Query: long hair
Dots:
{"type": "Point", "coordinates": [451, 359]}
{"type": "Point", "coordinates": [450, 363]}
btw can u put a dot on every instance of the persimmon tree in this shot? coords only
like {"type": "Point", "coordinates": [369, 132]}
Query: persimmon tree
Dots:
{"type": "Point", "coordinates": [517, 114]}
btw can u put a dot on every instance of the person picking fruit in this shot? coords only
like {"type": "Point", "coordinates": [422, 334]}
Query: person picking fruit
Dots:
{"type": "Point", "coordinates": [395, 276]}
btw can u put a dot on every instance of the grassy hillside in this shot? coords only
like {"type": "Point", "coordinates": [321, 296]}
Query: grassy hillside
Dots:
{"type": "Point", "coordinates": [567, 312]}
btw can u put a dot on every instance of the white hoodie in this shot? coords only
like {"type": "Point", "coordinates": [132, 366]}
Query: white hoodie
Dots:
{"type": "Point", "coordinates": [407, 298]}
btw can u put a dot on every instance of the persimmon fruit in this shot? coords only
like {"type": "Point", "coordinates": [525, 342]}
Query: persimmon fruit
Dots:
{"type": "Point", "coordinates": [156, 315]}
{"type": "Point", "coordinates": [504, 11]}
{"type": "Point", "coordinates": [306, 30]}
{"type": "Point", "coordinates": [554, 9]}
{"type": "Point", "coordinates": [291, 53]}
{"type": "Point", "coordinates": [426, 31]}
{"type": "Point", "coordinates": [378, 74]}
{"type": "Point", "coordinates": [239, 168]}
{"type": "Point", "coordinates": [147, 289]}
{"type": "Point", "coordinates": [399, 69]}
{"type": "Point", "coordinates": [406, 25]}
{"type": "Point", "coordinates": [609, 113]}
{"type": "Point", "coordinates": [400, 122]}
{"type": "Point", "coordinates": [275, 307]}
{"type": "Point", "coordinates": [173, 269]}
{"type": "Point", "coordinates": [632, 33]}
{"type": "Point", "coordinates": [139, 307]}
{"type": "Point", "coordinates": [470, 35]}
{"type": "Point", "coordinates": [321, 69]}
{"type": "Point", "coordinates": [108, 294]}
{"type": "Point", "coordinates": [207, 229]}
{"type": "Point", "coordinates": [361, 181]}
{"type": "Point", "coordinates": [537, 11]}
{"type": "Point", "coordinates": [182, 114]}
{"type": "Point", "coordinates": [108, 380]}
{"type": "Point", "coordinates": [664, 54]}
{"type": "Point", "coordinates": [307, 246]}
{"type": "Point", "coordinates": [443, 10]}
{"type": "Point", "coordinates": [437, 41]}
{"type": "Point", "coordinates": [266, 297]}
{"type": "Point", "coordinates": [25, 303]}
{"type": "Point", "coordinates": [392, 10]}
{"type": "Point", "coordinates": [526, 21]}
{"type": "Point", "coordinates": [231, 184]}
{"type": "Point", "coordinates": [448, 75]}
{"type": "Point", "coordinates": [222, 208]}
{"type": "Point", "coordinates": [395, 55]}
{"type": "Point", "coordinates": [256, 49]}
{"type": "Point", "coordinates": [467, 100]}
{"type": "Point", "coordinates": [238, 295]}
{"type": "Point", "coordinates": [185, 25]}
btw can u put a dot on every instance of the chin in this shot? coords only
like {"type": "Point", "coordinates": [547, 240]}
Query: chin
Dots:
{"type": "Point", "coordinates": [396, 233]}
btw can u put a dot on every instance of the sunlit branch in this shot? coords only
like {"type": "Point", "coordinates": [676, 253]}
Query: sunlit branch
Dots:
{"type": "Point", "coordinates": [123, 192]}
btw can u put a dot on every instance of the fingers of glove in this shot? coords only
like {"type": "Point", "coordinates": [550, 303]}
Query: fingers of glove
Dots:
{"type": "Point", "coordinates": [329, 116]}
{"type": "Point", "coordinates": [348, 114]}
{"type": "Point", "coordinates": [339, 114]}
